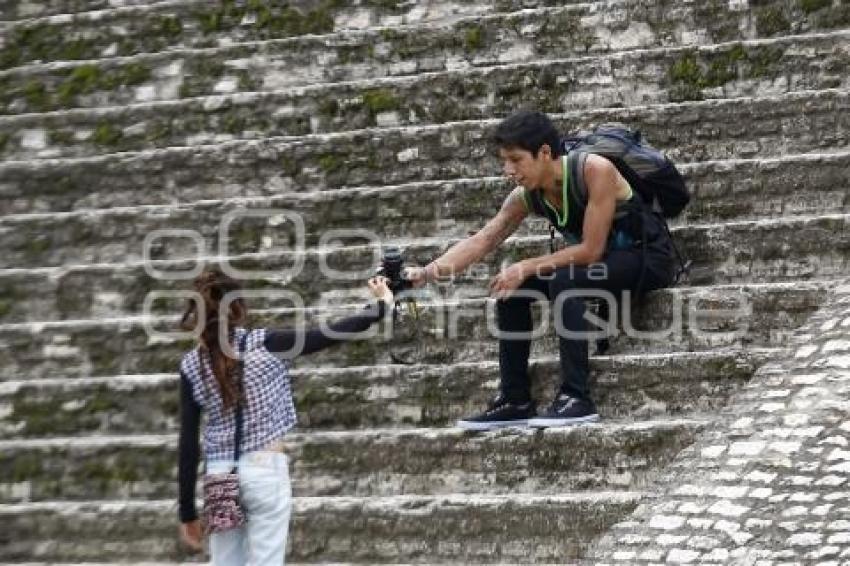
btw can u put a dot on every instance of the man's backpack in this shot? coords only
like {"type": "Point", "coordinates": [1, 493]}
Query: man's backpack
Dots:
{"type": "Point", "coordinates": [649, 172]}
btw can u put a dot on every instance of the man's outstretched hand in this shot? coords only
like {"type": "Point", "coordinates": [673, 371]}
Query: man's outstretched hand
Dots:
{"type": "Point", "coordinates": [417, 276]}
{"type": "Point", "coordinates": [507, 281]}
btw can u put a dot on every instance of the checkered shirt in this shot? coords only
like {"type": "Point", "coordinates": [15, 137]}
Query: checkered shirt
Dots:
{"type": "Point", "coordinates": [267, 411]}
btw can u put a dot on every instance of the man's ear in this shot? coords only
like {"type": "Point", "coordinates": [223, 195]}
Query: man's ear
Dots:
{"type": "Point", "coordinates": [545, 151]}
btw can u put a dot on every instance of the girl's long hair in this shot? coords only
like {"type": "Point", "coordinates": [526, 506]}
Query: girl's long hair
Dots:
{"type": "Point", "coordinates": [212, 285]}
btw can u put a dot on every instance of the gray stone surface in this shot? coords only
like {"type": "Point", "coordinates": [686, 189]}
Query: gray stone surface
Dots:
{"type": "Point", "coordinates": [122, 117]}
{"type": "Point", "coordinates": [670, 320]}
{"type": "Point", "coordinates": [656, 385]}
{"type": "Point", "coordinates": [767, 483]}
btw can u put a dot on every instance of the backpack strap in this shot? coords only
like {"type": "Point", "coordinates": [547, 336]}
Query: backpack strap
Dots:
{"type": "Point", "coordinates": [575, 169]}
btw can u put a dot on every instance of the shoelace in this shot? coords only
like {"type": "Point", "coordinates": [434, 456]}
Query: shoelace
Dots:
{"type": "Point", "coordinates": [556, 407]}
{"type": "Point", "coordinates": [498, 404]}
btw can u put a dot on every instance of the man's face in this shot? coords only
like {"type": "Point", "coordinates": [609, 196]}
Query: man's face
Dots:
{"type": "Point", "coordinates": [520, 165]}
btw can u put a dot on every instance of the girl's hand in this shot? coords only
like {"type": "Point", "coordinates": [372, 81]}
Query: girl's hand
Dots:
{"type": "Point", "coordinates": [379, 289]}
{"type": "Point", "coordinates": [191, 535]}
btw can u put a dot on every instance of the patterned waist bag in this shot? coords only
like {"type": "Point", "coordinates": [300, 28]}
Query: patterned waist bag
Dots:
{"type": "Point", "coordinates": [222, 507]}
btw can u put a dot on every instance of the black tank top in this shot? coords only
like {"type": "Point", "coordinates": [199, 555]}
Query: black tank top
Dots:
{"type": "Point", "coordinates": [625, 229]}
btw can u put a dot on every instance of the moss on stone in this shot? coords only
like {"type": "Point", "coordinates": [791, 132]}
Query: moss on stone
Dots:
{"type": "Point", "coordinates": [245, 238]}
{"type": "Point", "coordinates": [840, 17]}
{"type": "Point", "coordinates": [185, 90]}
{"type": "Point", "coordinates": [809, 6]}
{"type": "Point", "coordinates": [39, 416]}
{"type": "Point", "coordinates": [359, 353]}
{"type": "Point", "coordinates": [274, 21]}
{"type": "Point", "coordinates": [29, 43]}
{"type": "Point", "coordinates": [170, 26]}
{"type": "Point", "coordinates": [37, 246]}
{"type": "Point", "coordinates": [763, 61]}
{"type": "Point", "coordinates": [25, 467]}
{"type": "Point", "coordinates": [289, 166]}
{"type": "Point", "coordinates": [45, 42]}
{"type": "Point", "coordinates": [233, 124]}
{"type": "Point", "coordinates": [106, 135]}
{"type": "Point", "coordinates": [388, 35]}
{"type": "Point", "coordinates": [105, 472]}
{"type": "Point", "coordinates": [36, 95]}
{"type": "Point", "coordinates": [219, 19]}
{"type": "Point", "coordinates": [248, 82]}
{"type": "Point", "coordinates": [135, 74]}
{"type": "Point", "coordinates": [724, 67]}
{"type": "Point", "coordinates": [156, 131]}
{"type": "Point", "coordinates": [10, 56]}
{"type": "Point", "coordinates": [392, 5]}
{"type": "Point", "coordinates": [5, 307]}
{"type": "Point", "coordinates": [379, 100]}
{"type": "Point", "coordinates": [60, 137]}
{"type": "Point", "coordinates": [103, 401]}
{"type": "Point", "coordinates": [473, 38]}
{"type": "Point", "coordinates": [689, 77]}
{"type": "Point", "coordinates": [207, 69]}
{"type": "Point", "coordinates": [4, 139]}
{"type": "Point", "coordinates": [126, 47]}
{"type": "Point", "coordinates": [77, 49]}
{"type": "Point", "coordinates": [686, 70]}
{"type": "Point", "coordinates": [329, 107]}
{"type": "Point", "coordinates": [330, 163]}
{"type": "Point", "coordinates": [771, 21]}
{"type": "Point", "coordinates": [80, 80]}
{"type": "Point", "coordinates": [287, 21]}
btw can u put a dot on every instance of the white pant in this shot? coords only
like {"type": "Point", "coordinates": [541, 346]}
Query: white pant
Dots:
{"type": "Point", "coordinates": [266, 497]}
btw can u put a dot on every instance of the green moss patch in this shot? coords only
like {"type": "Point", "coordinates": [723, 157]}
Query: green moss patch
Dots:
{"type": "Point", "coordinates": [692, 72]}
{"type": "Point", "coordinates": [809, 6]}
{"type": "Point", "coordinates": [106, 135]}
{"type": "Point", "coordinates": [772, 21]}
{"type": "Point", "coordinates": [380, 100]}
{"type": "Point", "coordinates": [270, 21]}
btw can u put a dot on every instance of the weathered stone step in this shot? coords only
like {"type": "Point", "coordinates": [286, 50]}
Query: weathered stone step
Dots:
{"type": "Point", "coordinates": [799, 184]}
{"type": "Point", "coordinates": [719, 316]}
{"type": "Point", "coordinates": [748, 68]}
{"type": "Point", "coordinates": [371, 463]}
{"type": "Point", "coordinates": [477, 38]}
{"type": "Point", "coordinates": [383, 157]}
{"type": "Point", "coordinates": [395, 214]}
{"type": "Point", "coordinates": [371, 158]}
{"type": "Point", "coordinates": [344, 15]}
{"type": "Point", "coordinates": [784, 249]}
{"type": "Point", "coordinates": [458, 528]}
{"type": "Point", "coordinates": [391, 395]}
{"type": "Point", "coordinates": [774, 124]}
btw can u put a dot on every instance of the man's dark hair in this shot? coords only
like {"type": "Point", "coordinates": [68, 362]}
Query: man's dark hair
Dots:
{"type": "Point", "coordinates": [528, 130]}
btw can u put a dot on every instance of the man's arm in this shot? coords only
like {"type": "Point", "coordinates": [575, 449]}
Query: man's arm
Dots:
{"type": "Point", "coordinates": [472, 249]}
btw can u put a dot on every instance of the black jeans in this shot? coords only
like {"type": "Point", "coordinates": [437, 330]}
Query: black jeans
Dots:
{"type": "Point", "coordinates": [622, 270]}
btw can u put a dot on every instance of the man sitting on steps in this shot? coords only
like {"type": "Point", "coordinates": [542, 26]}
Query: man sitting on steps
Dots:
{"type": "Point", "coordinates": [612, 244]}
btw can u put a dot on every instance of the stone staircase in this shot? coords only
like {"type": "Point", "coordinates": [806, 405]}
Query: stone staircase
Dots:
{"type": "Point", "coordinates": [123, 118]}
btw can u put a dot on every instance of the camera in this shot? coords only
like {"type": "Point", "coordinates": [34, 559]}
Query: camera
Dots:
{"type": "Point", "coordinates": [392, 267]}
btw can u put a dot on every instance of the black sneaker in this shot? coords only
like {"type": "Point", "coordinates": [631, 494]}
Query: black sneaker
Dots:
{"type": "Point", "coordinates": [566, 411]}
{"type": "Point", "coordinates": [501, 413]}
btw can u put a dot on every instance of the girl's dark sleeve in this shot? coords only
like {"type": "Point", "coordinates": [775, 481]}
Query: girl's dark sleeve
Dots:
{"type": "Point", "coordinates": [189, 451]}
{"type": "Point", "coordinates": [315, 339]}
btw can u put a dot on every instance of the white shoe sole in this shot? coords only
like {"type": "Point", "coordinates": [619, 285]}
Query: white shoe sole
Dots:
{"type": "Point", "coordinates": [552, 422]}
{"type": "Point", "coordinates": [492, 425]}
